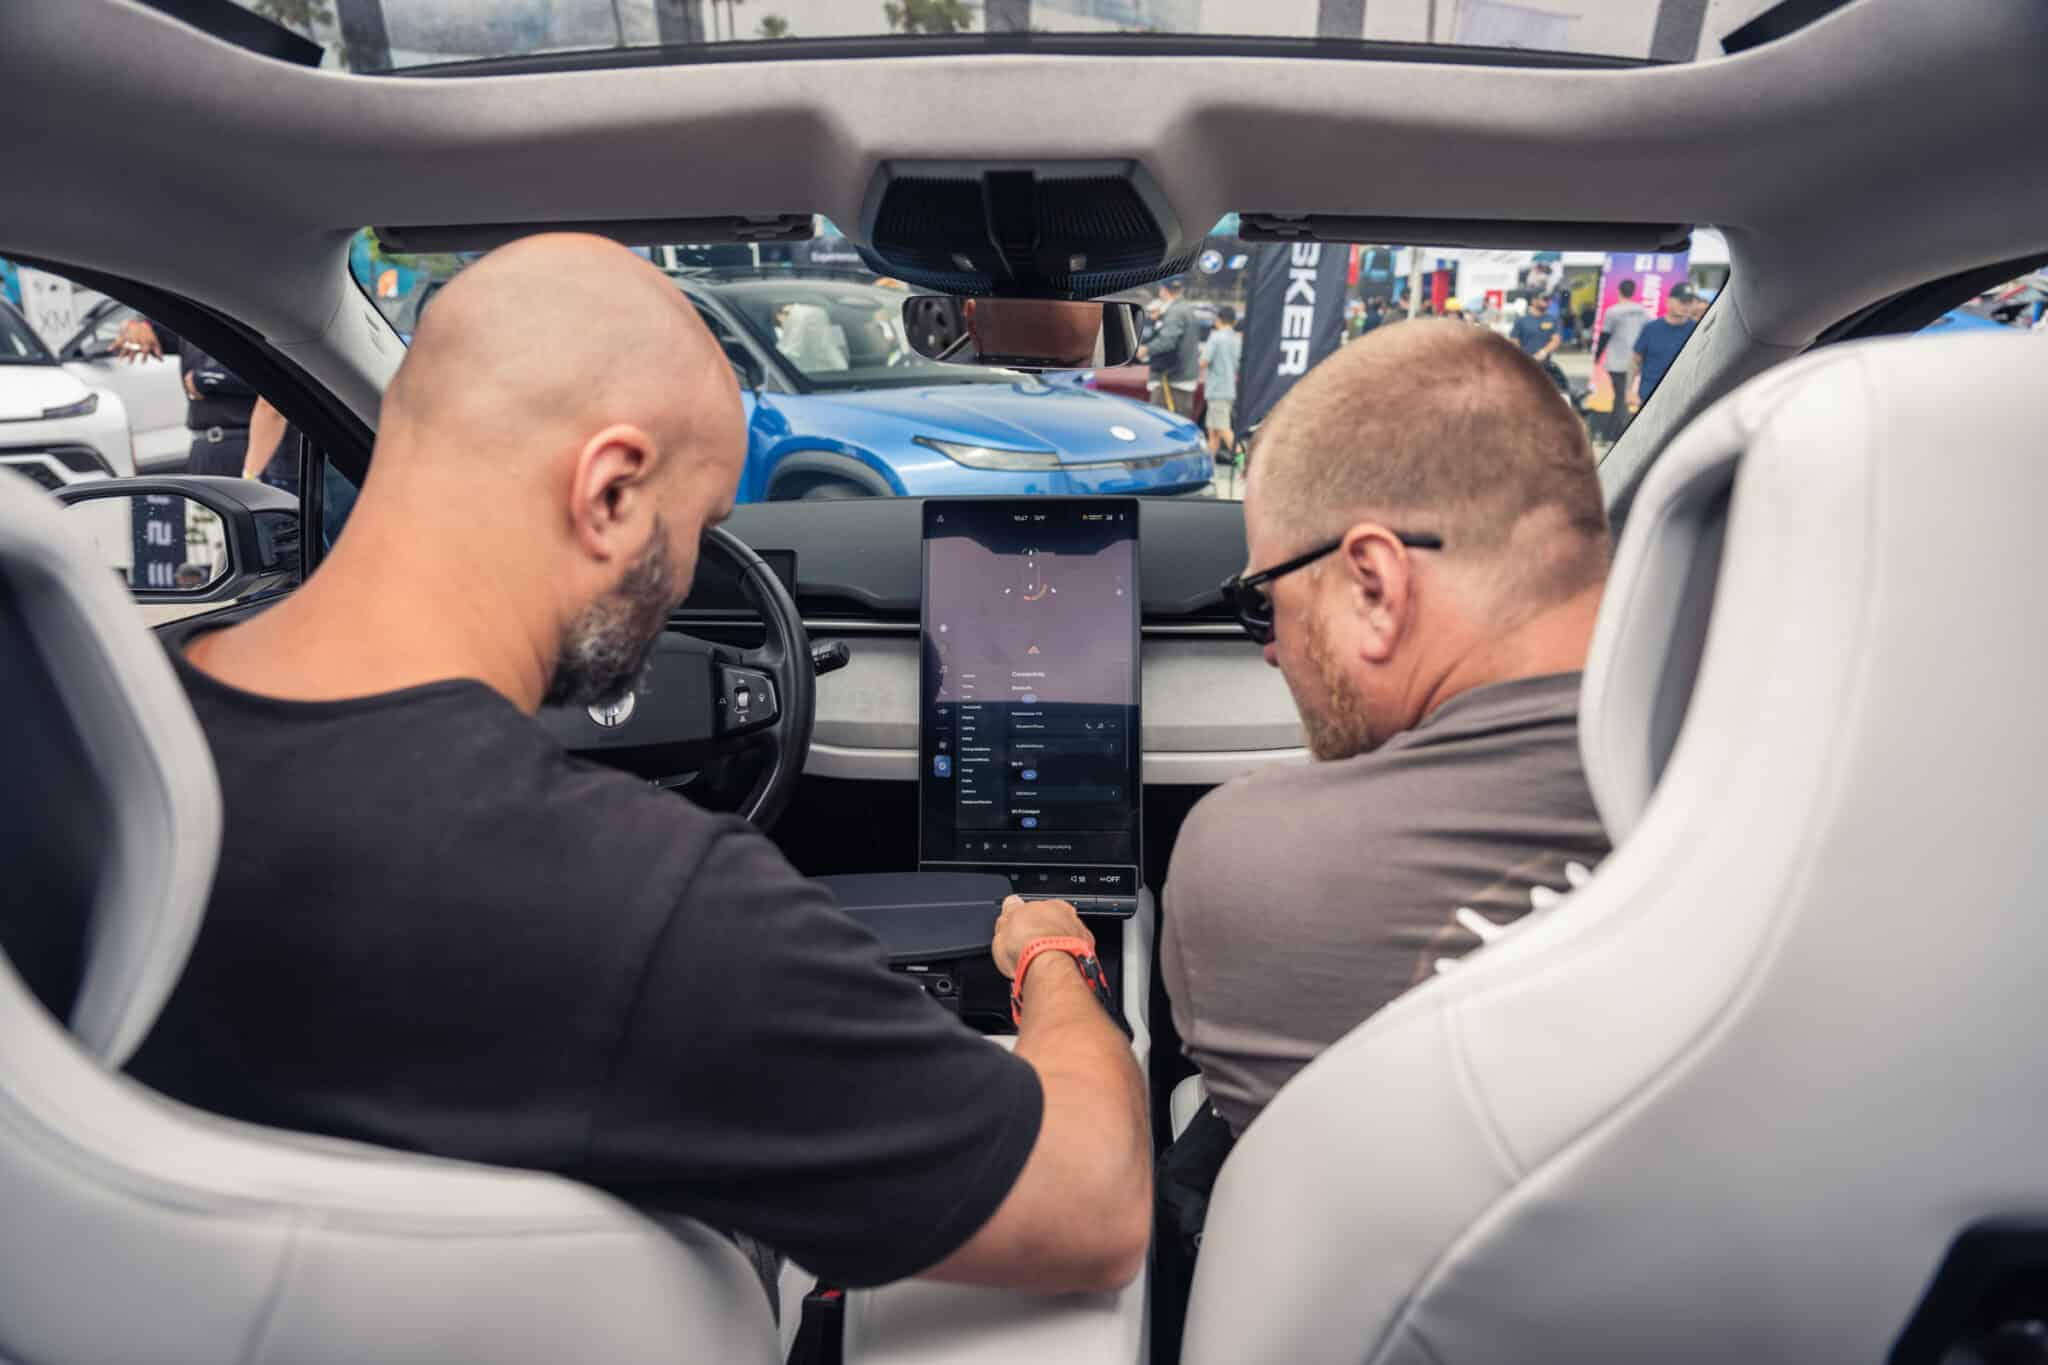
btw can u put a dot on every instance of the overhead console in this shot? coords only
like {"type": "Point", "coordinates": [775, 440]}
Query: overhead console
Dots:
{"type": "Point", "coordinates": [1027, 229]}
{"type": "Point", "coordinates": [1029, 728]}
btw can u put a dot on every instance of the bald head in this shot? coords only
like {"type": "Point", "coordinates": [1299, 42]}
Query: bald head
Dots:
{"type": "Point", "coordinates": [544, 341]}
{"type": "Point", "coordinates": [564, 394]}
{"type": "Point", "coordinates": [1440, 426]}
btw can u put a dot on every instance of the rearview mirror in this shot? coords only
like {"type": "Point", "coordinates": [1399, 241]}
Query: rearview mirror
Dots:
{"type": "Point", "coordinates": [189, 539]}
{"type": "Point", "coordinates": [1021, 334]}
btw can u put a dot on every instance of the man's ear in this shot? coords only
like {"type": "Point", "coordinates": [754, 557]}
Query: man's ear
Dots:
{"type": "Point", "coordinates": [610, 491]}
{"type": "Point", "coordinates": [1379, 583]}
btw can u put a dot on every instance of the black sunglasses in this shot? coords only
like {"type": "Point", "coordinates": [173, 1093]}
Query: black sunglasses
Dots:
{"type": "Point", "coordinates": [1245, 593]}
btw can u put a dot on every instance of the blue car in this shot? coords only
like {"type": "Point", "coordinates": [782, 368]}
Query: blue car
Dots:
{"type": "Point", "coordinates": [846, 409]}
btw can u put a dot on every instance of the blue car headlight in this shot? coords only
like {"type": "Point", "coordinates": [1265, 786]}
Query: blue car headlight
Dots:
{"type": "Point", "coordinates": [84, 407]}
{"type": "Point", "coordinates": [990, 457]}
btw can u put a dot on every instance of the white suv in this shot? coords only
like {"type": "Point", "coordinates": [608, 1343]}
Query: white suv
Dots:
{"type": "Point", "coordinates": [54, 428]}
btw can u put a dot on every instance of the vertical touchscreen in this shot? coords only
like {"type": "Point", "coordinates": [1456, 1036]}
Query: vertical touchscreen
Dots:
{"type": "Point", "coordinates": [1030, 747]}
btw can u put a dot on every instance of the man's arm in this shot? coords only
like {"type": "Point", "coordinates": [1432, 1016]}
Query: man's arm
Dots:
{"type": "Point", "coordinates": [1550, 349]}
{"type": "Point", "coordinates": [1635, 372]}
{"type": "Point", "coordinates": [266, 433]}
{"type": "Point", "coordinates": [1079, 1217]}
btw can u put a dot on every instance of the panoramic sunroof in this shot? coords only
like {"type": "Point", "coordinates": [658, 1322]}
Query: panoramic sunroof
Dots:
{"type": "Point", "coordinates": [393, 35]}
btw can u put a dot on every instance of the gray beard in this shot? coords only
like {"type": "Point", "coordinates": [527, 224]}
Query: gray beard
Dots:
{"type": "Point", "coordinates": [606, 648]}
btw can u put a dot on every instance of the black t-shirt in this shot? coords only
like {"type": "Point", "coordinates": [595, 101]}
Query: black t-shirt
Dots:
{"type": "Point", "coordinates": [432, 929]}
{"type": "Point", "coordinates": [224, 399]}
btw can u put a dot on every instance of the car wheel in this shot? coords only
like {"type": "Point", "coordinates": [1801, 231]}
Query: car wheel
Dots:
{"type": "Point", "coordinates": [833, 489]}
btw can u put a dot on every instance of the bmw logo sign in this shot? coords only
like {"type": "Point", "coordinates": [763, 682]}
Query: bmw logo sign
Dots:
{"type": "Point", "coordinates": [1123, 433]}
{"type": "Point", "coordinates": [613, 714]}
{"type": "Point", "coordinates": [1209, 262]}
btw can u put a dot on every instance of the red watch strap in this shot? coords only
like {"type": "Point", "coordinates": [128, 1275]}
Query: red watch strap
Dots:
{"type": "Point", "coordinates": [1080, 949]}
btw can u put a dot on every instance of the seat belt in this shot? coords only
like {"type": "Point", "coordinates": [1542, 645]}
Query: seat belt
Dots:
{"type": "Point", "coordinates": [821, 1330]}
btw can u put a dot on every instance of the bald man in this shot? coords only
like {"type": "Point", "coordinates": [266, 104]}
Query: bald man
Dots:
{"type": "Point", "coordinates": [1427, 547]}
{"type": "Point", "coordinates": [432, 929]}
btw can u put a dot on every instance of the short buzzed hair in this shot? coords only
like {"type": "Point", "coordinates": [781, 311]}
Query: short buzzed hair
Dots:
{"type": "Point", "coordinates": [1441, 427]}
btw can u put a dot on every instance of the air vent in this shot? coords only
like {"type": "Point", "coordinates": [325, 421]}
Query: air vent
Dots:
{"type": "Point", "coordinates": [1052, 230]}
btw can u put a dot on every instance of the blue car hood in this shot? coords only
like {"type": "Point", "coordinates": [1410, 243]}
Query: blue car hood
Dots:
{"type": "Point", "coordinates": [1081, 424]}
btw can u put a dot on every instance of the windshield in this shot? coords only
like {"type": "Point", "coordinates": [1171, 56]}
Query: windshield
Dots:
{"type": "Point", "coordinates": [384, 35]}
{"type": "Point", "coordinates": [823, 339]}
{"type": "Point", "coordinates": [18, 344]}
{"type": "Point", "coordinates": [841, 335]}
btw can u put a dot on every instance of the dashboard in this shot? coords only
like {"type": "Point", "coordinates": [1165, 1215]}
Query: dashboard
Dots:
{"type": "Point", "coordinates": [1211, 709]}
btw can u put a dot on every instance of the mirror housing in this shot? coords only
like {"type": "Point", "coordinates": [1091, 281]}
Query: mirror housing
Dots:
{"type": "Point", "coordinates": [249, 530]}
{"type": "Point", "coordinates": [1022, 334]}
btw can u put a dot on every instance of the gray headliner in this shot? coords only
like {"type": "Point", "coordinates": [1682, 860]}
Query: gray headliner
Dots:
{"type": "Point", "coordinates": [1893, 142]}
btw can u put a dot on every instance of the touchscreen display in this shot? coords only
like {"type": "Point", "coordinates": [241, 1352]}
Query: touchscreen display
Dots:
{"type": "Point", "coordinates": [1030, 745]}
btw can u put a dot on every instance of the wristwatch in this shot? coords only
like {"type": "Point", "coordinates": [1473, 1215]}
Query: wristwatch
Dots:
{"type": "Point", "coordinates": [1083, 953]}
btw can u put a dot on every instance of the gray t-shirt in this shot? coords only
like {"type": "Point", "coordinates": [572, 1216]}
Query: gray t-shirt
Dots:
{"type": "Point", "coordinates": [1624, 323]}
{"type": "Point", "coordinates": [1301, 900]}
{"type": "Point", "coordinates": [1221, 352]}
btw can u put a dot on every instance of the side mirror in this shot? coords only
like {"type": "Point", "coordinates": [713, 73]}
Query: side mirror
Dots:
{"type": "Point", "coordinates": [190, 538]}
{"type": "Point", "coordinates": [745, 367]}
{"type": "Point", "coordinates": [1022, 334]}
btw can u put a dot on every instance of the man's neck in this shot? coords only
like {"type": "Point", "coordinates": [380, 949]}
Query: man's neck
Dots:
{"type": "Point", "coordinates": [1555, 640]}
{"type": "Point", "coordinates": [378, 618]}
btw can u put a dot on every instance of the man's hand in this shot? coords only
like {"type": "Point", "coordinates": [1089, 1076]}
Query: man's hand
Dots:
{"type": "Point", "coordinates": [1080, 1215]}
{"type": "Point", "coordinates": [1023, 921]}
{"type": "Point", "coordinates": [1635, 394]}
{"type": "Point", "coordinates": [138, 341]}
{"type": "Point", "coordinates": [191, 389]}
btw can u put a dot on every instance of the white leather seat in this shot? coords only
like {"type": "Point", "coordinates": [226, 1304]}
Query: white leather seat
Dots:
{"type": "Point", "coordinates": [1734, 1098]}
{"type": "Point", "coordinates": [134, 1229]}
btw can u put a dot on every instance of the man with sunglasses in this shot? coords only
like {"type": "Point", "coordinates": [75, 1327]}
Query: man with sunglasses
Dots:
{"type": "Point", "coordinates": [1427, 547]}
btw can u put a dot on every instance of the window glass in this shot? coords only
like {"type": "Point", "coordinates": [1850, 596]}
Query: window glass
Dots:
{"type": "Point", "coordinates": [2017, 306]}
{"type": "Point", "coordinates": [93, 392]}
{"type": "Point", "coordinates": [384, 35]}
{"type": "Point", "coordinates": [836, 373]}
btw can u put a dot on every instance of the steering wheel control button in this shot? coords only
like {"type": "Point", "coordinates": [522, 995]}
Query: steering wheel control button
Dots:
{"type": "Point", "coordinates": [613, 714]}
{"type": "Point", "coordinates": [746, 698]}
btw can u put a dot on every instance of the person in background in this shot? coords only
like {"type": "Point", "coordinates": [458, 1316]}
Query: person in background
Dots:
{"type": "Point", "coordinates": [1174, 353]}
{"type": "Point", "coordinates": [1536, 331]}
{"type": "Point", "coordinates": [1220, 356]}
{"type": "Point", "coordinates": [1659, 342]}
{"type": "Point", "coordinates": [263, 430]}
{"type": "Point", "coordinates": [1617, 353]}
{"type": "Point", "coordinates": [219, 408]}
{"type": "Point", "coordinates": [1375, 315]}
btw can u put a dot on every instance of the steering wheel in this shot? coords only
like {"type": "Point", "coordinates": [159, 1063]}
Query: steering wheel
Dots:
{"type": "Point", "coordinates": [703, 709]}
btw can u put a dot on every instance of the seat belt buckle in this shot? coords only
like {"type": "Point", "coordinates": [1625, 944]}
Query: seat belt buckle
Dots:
{"type": "Point", "coordinates": [821, 1328]}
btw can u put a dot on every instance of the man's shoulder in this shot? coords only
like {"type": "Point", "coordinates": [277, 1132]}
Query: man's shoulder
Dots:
{"type": "Point", "coordinates": [1497, 724]}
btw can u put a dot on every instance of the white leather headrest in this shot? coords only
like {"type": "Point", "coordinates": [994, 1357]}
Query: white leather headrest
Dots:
{"type": "Point", "coordinates": [1653, 621]}
{"type": "Point", "coordinates": [149, 761]}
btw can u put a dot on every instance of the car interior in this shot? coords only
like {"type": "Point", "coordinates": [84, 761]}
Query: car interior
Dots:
{"type": "Point", "coordinates": [1765, 1087]}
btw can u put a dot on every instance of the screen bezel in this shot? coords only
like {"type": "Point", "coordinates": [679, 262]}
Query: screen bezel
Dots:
{"type": "Point", "coordinates": [1033, 503]}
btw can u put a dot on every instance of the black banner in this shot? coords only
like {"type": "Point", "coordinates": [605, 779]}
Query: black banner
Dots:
{"type": "Point", "coordinates": [1293, 317]}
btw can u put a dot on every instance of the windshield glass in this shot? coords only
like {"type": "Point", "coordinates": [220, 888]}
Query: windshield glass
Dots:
{"type": "Point", "coordinates": [383, 35]}
{"type": "Point", "coordinates": [840, 405]}
{"type": "Point", "coordinates": [18, 344]}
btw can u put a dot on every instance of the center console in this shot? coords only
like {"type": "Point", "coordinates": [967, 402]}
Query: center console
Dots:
{"type": "Point", "coordinates": [1029, 781]}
